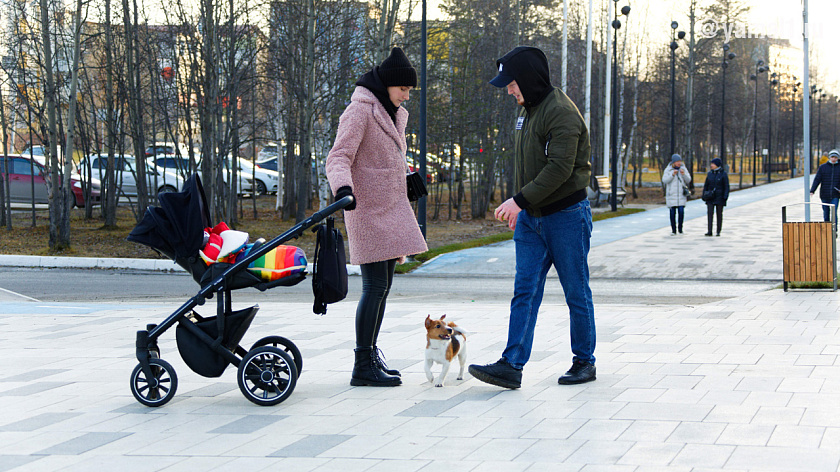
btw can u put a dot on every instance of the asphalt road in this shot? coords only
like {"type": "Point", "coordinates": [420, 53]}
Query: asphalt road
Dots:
{"type": "Point", "coordinates": [91, 285]}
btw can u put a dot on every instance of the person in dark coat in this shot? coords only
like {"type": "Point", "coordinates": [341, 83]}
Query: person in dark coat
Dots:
{"type": "Point", "coordinates": [715, 194]}
{"type": "Point", "coordinates": [828, 179]}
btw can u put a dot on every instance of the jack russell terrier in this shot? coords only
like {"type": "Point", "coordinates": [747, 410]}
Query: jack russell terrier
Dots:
{"type": "Point", "coordinates": [442, 347]}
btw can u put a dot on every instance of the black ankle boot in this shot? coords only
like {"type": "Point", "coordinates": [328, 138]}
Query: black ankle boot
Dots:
{"type": "Point", "coordinates": [380, 362]}
{"type": "Point", "coordinates": [366, 372]}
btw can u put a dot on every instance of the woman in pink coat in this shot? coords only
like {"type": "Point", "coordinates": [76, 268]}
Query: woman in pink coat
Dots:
{"type": "Point", "coordinates": [367, 161]}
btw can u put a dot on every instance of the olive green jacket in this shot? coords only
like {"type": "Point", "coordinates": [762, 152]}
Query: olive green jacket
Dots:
{"type": "Point", "coordinates": [552, 152]}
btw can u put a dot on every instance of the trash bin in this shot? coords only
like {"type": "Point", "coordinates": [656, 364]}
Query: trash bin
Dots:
{"type": "Point", "coordinates": [809, 250]}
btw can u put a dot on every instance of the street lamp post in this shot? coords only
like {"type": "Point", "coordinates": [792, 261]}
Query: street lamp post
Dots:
{"type": "Point", "coordinates": [759, 68]}
{"type": "Point", "coordinates": [616, 24]}
{"type": "Point", "coordinates": [793, 130]}
{"type": "Point", "coordinates": [674, 46]}
{"type": "Point", "coordinates": [819, 124]}
{"type": "Point", "coordinates": [770, 84]}
{"type": "Point", "coordinates": [727, 56]}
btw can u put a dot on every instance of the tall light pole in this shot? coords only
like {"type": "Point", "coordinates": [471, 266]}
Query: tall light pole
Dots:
{"type": "Point", "coordinates": [770, 83]}
{"type": "Point", "coordinates": [616, 24]}
{"type": "Point", "coordinates": [421, 205]}
{"type": "Point", "coordinates": [793, 130]}
{"type": "Point", "coordinates": [819, 126]}
{"type": "Point", "coordinates": [727, 56]}
{"type": "Point", "coordinates": [759, 68]}
{"type": "Point", "coordinates": [674, 46]}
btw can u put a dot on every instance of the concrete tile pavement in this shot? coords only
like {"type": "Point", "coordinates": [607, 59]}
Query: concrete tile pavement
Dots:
{"type": "Point", "coordinates": [748, 383]}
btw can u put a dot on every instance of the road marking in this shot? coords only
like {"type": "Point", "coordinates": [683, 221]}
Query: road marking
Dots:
{"type": "Point", "coordinates": [18, 294]}
{"type": "Point", "coordinates": [493, 259]}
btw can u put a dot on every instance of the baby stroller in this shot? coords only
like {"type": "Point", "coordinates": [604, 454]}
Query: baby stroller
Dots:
{"type": "Point", "coordinates": [267, 373]}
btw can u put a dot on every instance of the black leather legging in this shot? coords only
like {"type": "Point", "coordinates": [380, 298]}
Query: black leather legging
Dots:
{"type": "Point", "coordinates": [376, 283]}
{"type": "Point", "coordinates": [711, 209]}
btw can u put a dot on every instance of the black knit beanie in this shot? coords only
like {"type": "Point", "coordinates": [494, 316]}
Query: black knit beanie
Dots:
{"type": "Point", "coordinates": [396, 70]}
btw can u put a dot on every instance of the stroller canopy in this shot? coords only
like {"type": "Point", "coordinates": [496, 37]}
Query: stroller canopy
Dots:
{"type": "Point", "coordinates": [176, 228]}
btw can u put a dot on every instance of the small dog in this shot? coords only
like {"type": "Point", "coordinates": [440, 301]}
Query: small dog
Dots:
{"type": "Point", "coordinates": [442, 347]}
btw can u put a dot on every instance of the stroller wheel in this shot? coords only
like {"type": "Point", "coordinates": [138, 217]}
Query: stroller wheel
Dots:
{"type": "Point", "coordinates": [267, 376]}
{"type": "Point", "coordinates": [285, 345]}
{"type": "Point", "coordinates": [158, 390]}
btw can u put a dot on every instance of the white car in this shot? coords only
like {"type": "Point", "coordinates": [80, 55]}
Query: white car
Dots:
{"type": "Point", "coordinates": [260, 180]}
{"type": "Point", "coordinates": [159, 180]}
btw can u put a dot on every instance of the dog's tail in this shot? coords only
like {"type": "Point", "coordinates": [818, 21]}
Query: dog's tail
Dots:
{"type": "Point", "coordinates": [458, 330]}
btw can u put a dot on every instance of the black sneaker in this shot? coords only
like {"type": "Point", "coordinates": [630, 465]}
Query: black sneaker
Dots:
{"type": "Point", "coordinates": [580, 372]}
{"type": "Point", "coordinates": [500, 374]}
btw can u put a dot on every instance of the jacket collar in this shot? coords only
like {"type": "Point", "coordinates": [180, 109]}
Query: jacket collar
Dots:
{"type": "Point", "coordinates": [395, 131]}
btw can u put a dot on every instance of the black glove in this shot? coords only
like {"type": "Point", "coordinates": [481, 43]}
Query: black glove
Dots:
{"type": "Point", "coordinates": [344, 192]}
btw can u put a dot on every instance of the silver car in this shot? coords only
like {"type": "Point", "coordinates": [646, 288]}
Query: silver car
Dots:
{"type": "Point", "coordinates": [158, 180]}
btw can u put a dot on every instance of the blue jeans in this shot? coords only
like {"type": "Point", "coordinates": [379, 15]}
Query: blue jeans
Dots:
{"type": "Point", "coordinates": [561, 239]}
{"type": "Point", "coordinates": [827, 210]}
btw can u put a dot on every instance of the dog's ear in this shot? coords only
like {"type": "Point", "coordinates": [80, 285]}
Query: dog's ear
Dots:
{"type": "Point", "coordinates": [428, 321]}
{"type": "Point", "coordinates": [442, 316]}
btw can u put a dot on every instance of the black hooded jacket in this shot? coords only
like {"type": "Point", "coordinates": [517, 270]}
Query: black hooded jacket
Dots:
{"type": "Point", "coordinates": [551, 140]}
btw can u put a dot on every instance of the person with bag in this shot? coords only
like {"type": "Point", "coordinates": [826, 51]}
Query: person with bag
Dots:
{"type": "Point", "coordinates": [676, 179]}
{"type": "Point", "coordinates": [828, 179]}
{"type": "Point", "coordinates": [368, 161]}
{"type": "Point", "coordinates": [715, 193]}
{"type": "Point", "coordinates": [549, 215]}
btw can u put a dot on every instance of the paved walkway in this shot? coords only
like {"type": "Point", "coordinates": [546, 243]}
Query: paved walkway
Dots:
{"type": "Point", "coordinates": [748, 383]}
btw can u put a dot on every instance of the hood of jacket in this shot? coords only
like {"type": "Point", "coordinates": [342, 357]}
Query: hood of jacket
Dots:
{"type": "Point", "coordinates": [529, 68]}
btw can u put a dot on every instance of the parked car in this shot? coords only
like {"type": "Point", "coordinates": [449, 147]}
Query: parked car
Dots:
{"type": "Point", "coordinates": [39, 152]}
{"type": "Point", "coordinates": [269, 164]}
{"type": "Point", "coordinates": [174, 163]}
{"type": "Point", "coordinates": [257, 179]}
{"type": "Point", "coordinates": [24, 172]}
{"type": "Point", "coordinates": [268, 151]}
{"type": "Point", "coordinates": [162, 148]}
{"type": "Point", "coordinates": [159, 180]}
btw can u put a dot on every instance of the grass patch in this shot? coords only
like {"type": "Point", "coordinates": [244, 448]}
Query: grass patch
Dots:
{"type": "Point", "coordinates": [419, 259]}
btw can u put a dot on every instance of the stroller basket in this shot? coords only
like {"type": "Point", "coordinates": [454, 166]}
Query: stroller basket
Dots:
{"type": "Point", "coordinates": [199, 356]}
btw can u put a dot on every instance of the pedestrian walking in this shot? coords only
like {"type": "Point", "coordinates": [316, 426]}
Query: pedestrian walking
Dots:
{"type": "Point", "coordinates": [828, 180]}
{"type": "Point", "coordinates": [676, 179]}
{"type": "Point", "coordinates": [368, 162]}
{"type": "Point", "coordinates": [715, 194]}
{"type": "Point", "coordinates": [549, 214]}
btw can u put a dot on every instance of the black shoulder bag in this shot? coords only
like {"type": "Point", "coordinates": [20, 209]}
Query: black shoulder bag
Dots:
{"type": "Point", "coordinates": [329, 269]}
{"type": "Point", "coordinates": [415, 185]}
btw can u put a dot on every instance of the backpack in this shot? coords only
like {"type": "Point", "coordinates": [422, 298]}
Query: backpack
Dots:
{"type": "Point", "coordinates": [329, 268]}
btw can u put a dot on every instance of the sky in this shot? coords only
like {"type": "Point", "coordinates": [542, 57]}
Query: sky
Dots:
{"type": "Point", "coordinates": [781, 19]}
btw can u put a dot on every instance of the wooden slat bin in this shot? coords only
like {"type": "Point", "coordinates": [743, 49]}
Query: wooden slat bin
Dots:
{"type": "Point", "coordinates": [809, 252]}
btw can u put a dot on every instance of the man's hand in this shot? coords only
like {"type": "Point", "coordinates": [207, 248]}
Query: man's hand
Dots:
{"type": "Point", "coordinates": [508, 211]}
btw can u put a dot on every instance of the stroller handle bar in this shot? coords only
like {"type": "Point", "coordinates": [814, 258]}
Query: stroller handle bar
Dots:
{"type": "Point", "coordinates": [293, 232]}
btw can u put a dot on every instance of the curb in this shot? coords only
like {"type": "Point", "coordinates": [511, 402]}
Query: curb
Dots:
{"type": "Point", "coordinates": [154, 265]}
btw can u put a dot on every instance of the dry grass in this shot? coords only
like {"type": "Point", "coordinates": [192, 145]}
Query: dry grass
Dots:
{"type": "Point", "coordinates": [89, 238]}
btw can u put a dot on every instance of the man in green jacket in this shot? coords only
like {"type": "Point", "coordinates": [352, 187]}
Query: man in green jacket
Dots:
{"type": "Point", "coordinates": [550, 216]}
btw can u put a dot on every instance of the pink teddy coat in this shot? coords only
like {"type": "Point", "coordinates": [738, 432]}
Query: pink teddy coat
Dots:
{"type": "Point", "coordinates": [369, 156]}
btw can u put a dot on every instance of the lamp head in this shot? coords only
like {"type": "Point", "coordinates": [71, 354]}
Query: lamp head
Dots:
{"type": "Point", "coordinates": [731, 56]}
{"type": "Point", "coordinates": [759, 63]}
{"type": "Point", "coordinates": [674, 45]}
{"type": "Point", "coordinates": [625, 10]}
{"type": "Point", "coordinates": [616, 24]}
{"type": "Point", "coordinates": [726, 46]}
{"type": "Point", "coordinates": [674, 25]}
{"type": "Point", "coordinates": [681, 35]}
